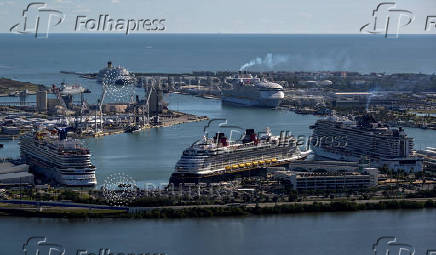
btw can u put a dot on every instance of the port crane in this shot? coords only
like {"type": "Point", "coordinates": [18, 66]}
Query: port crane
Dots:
{"type": "Point", "coordinates": [100, 111]}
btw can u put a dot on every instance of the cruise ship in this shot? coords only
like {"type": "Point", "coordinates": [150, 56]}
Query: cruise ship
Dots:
{"type": "Point", "coordinates": [252, 91]}
{"type": "Point", "coordinates": [218, 158]}
{"type": "Point", "coordinates": [121, 75]}
{"type": "Point", "coordinates": [67, 89]}
{"type": "Point", "coordinates": [60, 160]}
{"type": "Point", "coordinates": [351, 139]}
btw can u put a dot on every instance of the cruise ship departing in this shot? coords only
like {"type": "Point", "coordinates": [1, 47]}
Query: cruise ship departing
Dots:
{"type": "Point", "coordinates": [218, 159]}
{"type": "Point", "coordinates": [252, 91]}
{"type": "Point", "coordinates": [346, 139]}
{"type": "Point", "coordinates": [58, 158]}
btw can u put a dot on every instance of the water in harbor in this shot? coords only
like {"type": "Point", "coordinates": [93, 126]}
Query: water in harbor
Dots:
{"type": "Point", "coordinates": [149, 156]}
{"type": "Point", "coordinates": [311, 233]}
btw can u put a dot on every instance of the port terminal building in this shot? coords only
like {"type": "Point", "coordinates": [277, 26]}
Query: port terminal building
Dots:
{"type": "Point", "coordinates": [329, 166]}
{"type": "Point", "coordinates": [322, 181]}
{"type": "Point", "coordinates": [429, 156]}
{"type": "Point", "coordinates": [11, 174]}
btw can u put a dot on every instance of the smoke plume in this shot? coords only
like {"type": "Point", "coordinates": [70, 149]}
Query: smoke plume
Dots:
{"type": "Point", "coordinates": [268, 61]}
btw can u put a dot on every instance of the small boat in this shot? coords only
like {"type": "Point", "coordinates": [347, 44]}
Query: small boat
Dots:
{"type": "Point", "coordinates": [133, 129]}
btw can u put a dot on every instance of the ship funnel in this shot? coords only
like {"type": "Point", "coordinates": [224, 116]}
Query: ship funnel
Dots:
{"type": "Point", "coordinates": [220, 139]}
{"type": "Point", "coordinates": [282, 137]}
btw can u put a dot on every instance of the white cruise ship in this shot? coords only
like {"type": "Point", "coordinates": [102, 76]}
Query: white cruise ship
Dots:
{"type": "Point", "coordinates": [345, 139]}
{"type": "Point", "coordinates": [252, 91]}
{"type": "Point", "coordinates": [57, 158]}
{"type": "Point", "coordinates": [121, 75]}
{"type": "Point", "coordinates": [217, 159]}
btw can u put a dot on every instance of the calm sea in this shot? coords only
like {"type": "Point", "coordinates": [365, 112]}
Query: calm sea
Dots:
{"type": "Point", "coordinates": [25, 57]}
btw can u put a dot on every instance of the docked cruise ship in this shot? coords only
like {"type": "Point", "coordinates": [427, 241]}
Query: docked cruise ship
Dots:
{"type": "Point", "coordinates": [58, 159]}
{"type": "Point", "coordinates": [218, 159]}
{"type": "Point", "coordinates": [252, 91]}
{"type": "Point", "coordinates": [342, 138]}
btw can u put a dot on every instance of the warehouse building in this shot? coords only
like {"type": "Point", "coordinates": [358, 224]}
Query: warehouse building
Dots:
{"type": "Point", "coordinates": [340, 180]}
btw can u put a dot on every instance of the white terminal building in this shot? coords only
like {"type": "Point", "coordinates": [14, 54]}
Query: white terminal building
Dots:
{"type": "Point", "coordinates": [302, 181]}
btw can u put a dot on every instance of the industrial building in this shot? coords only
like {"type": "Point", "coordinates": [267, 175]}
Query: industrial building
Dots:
{"type": "Point", "coordinates": [330, 166]}
{"type": "Point", "coordinates": [322, 181]}
{"type": "Point", "coordinates": [11, 174]}
{"type": "Point", "coordinates": [429, 155]}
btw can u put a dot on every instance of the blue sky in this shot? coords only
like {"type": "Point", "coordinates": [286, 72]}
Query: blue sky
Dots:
{"type": "Point", "coordinates": [229, 16]}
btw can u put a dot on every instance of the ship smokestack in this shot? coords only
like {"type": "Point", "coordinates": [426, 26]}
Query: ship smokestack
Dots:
{"type": "Point", "coordinates": [287, 134]}
{"type": "Point", "coordinates": [282, 137]}
{"type": "Point", "coordinates": [221, 139]}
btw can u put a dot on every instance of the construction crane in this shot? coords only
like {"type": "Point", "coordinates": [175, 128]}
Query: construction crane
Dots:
{"type": "Point", "coordinates": [57, 91]}
{"type": "Point", "coordinates": [100, 110]}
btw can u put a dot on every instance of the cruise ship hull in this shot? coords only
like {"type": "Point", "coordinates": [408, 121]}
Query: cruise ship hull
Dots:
{"type": "Point", "coordinates": [410, 164]}
{"type": "Point", "coordinates": [323, 154]}
{"type": "Point", "coordinates": [218, 176]}
{"type": "Point", "coordinates": [58, 162]}
{"type": "Point", "coordinates": [53, 175]}
{"type": "Point", "coordinates": [179, 178]}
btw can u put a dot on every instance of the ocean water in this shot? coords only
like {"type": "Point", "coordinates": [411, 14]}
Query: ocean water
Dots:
{"type": "Point", "coordinates": [25, 57]}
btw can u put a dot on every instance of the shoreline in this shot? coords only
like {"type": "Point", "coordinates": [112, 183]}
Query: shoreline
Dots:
{"type": "Point", "coordinates": [182, 118]}
{"type": "Point", "coordinates": [208, 211]}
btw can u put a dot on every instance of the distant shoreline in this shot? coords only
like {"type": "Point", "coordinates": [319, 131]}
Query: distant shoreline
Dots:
{"type": "Point", "coordinates": [208, 211]}
{"type": "Point", "coordinates": [8, 86]}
